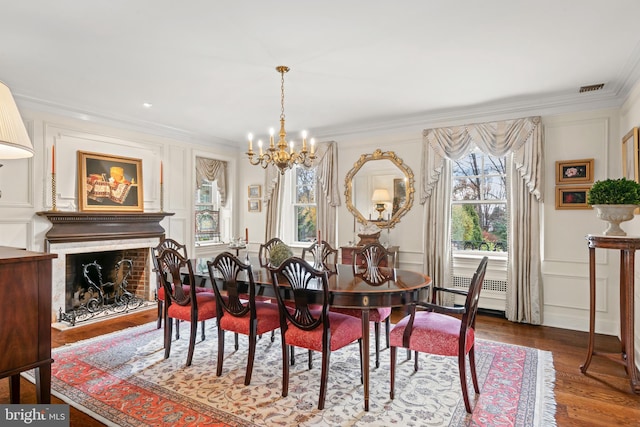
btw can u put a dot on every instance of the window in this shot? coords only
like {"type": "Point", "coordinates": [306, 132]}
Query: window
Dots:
{"type": "Point", "coordinates": [478, 203]}
{"type": "Point", "coordinates": [304, 204]}
{"type": "Point", "coordinates": [207, 213]}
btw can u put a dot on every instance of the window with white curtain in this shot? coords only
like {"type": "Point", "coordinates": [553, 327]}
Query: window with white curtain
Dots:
{"type": "Point", "coordinates": [479, 220]}
{"type": "Point", "coordinates": [299, 215]}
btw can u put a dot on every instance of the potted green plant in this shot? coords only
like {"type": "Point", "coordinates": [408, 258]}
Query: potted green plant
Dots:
{"type": "Point", "coordinates": [615, 201]}
{"type": "Point", "coordinates": [279, 253]}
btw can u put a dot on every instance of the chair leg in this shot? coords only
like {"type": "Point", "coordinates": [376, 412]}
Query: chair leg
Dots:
{"type": "Point", "coordinates": [235, 343]}
{"type": "Point", "coordinates": [250, 358]}
{"type": "Point", "coordinates": [177, 329]}
{"type": "Point", "coordinates": [387, 325]}
{"type": "Point", "coordinates": [324, 377]}
{"type": "Point", "coordinates": [285, 368]}
{"type": "Point", "coordinates": [192, 342]}
{"type": "Point", "coordinates": [220, 351]}
{"type": "Point", "coordinates": [160, 311]}
{"type": "Point", "coordinates": [392, 384]}
{"type": "Point", "coordinates": [273, 336]}
{"type": "Point", "coordinates": [472, 365]}
{"type": "Point", "coordinates": [415, 363]}
{"type": "Point", "coordinates": [202, 323]}
{"type": "Point", "coordinates": [463, 380]}
{"type": "Point", "coordinates": [310, 356]}
{"type": "Point", "coordinates": [168, 324]}
{"type": "Point", "coordinates": [376, 329]}
{"type": "Point", "coordinates": [293, 356]}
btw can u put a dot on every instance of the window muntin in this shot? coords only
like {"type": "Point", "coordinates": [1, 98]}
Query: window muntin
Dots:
{"type": "Point", "coordinates": [304, 205]}
{"type": "Point", "coordinates": [479, 205]}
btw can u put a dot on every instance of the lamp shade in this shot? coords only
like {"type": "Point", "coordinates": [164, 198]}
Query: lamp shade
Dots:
{"type": "Point", "coordinates": [14, 140]}
{"type": "Point", "coordinates": [380, 195]}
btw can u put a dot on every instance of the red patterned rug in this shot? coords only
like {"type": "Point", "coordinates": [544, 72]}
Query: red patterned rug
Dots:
{"type": "Point", "coordinates": [122, 379]}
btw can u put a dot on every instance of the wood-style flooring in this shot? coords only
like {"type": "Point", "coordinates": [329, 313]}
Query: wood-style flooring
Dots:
{"type": "Point", "coordinates": [600, 398]}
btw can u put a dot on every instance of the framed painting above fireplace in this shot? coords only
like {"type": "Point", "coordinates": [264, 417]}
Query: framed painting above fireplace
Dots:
{"type": "Point", "coordinates": [109, 183]}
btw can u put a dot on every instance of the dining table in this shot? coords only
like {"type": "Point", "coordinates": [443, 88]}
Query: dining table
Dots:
{"type": "Point", "coordinates": [350, 289]}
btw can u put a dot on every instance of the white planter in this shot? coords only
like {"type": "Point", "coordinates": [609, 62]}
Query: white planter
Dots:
{"type": "Point", "coordinates": [614, 215]}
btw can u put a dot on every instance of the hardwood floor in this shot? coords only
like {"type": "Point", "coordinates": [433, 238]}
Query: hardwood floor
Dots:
{"type": "Point", "coordinates": [600, 398]}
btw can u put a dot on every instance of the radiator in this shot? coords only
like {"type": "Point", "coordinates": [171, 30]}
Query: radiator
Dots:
{"type": "Point", "coordinates": [492, 296]}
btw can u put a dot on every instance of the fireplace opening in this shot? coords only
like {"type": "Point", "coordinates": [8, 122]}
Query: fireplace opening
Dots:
{"type": "Point", "coordinates": [104, 283]}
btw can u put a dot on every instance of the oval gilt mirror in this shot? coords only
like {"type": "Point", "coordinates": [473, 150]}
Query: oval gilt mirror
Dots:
{"type": "Point", "coordinates": [379, 189]}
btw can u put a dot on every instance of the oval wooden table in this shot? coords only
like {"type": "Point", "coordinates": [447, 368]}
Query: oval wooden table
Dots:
{"type": "Point", "coordinates": [350, 290]}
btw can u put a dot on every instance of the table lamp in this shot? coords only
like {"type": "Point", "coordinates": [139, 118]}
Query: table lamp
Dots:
{"type": "Point", "coordinates": [380, 196]}
{"type": "Point", "coordinates": [14, 140]}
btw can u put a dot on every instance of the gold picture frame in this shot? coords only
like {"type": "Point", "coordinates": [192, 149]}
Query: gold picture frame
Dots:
{"type": "Point", "coordinates": [255, 205]}
{"type": "Point", "coordinates": [108, 183]}
{"type": "Point", "coordinates": [574, 171]}
{"type": "Point", "coordinates": [254, 191]}
{"type": "Point", "coordinates": [630, 155]}
{"type": "Point", "coordinates": [572, 197]}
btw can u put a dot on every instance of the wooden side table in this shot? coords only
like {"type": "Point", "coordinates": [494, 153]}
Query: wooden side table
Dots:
{"type": "Point", "coordinates": [626, 357]}
{"type": "Point", "coordinates": [25, 316]}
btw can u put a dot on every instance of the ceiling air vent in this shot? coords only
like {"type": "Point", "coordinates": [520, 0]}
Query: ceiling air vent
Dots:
{"type": "Point", "coordinates": [591, 88]}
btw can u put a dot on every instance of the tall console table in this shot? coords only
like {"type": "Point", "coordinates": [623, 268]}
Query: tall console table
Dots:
{"type": "Point", "coordinates": [25, 316]}
{"type": "Point", "coordinates": [627, 247]}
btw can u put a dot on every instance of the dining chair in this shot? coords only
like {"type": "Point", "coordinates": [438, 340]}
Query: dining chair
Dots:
{"type": "Point", "coordinates": [440, 330]}
{"type": "Point", "coordinates": [265, 250]}
{"type": "Point", "coordinates": [303, 326]}
{"type": "Point", "coordinates": [182, 302]}
{"type": "Point", "coordinates": [238, 311]}
{"type": "Point", "coordinates": [366, 263]}
{"type": "Point", "coordinates": [182, 249]}
{"type": "Point", "coordinates": [322, 255]}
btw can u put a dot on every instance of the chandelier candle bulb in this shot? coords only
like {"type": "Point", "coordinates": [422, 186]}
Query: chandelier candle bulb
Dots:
{"type": "Point", "coordinates": [250, 143]}
{"type": "Point", "coordinates": [291, 145]}
{"type": "Point", "coordinates": [313, 147]}
{"type": "Point", "coordinates": [260, 146]}
{"type": "Point", "coordinates": [271, 131]}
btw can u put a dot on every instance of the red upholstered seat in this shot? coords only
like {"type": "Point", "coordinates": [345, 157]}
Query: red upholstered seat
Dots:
{"type": "Point", "coordinates": [436, 331]}
{"type": "Point", "coordinates": [433, 333]}
{"type": "Point", "coordinates": [206, 308]}
{"type": "Point", "coordinates": [186, 289]}
{"type": "Point", "coordinates": [303, 325]}
{"type": "Point", "coordinates": [237, 310]}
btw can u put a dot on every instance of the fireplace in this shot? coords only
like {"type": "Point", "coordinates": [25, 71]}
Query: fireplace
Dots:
{"type": "Point", "coordinates": [79, 237]}
{"type": "Point", "coordinates": [99, 284]}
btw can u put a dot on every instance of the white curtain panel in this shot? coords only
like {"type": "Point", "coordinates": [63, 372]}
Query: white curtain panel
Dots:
{"type": "Point", "coordinates": [522, 139]}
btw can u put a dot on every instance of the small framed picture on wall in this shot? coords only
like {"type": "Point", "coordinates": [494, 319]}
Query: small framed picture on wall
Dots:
{"type": "Point", "coordinates": [572, 197]}
{"type": "Point", "coordinates": [255, 206]}
{"type": "Point", "coordinates": [630, 155]}
{"type": "Point", "coordinates": [255, 191]}
{"type": "Point", "coordinates": [574, 171]}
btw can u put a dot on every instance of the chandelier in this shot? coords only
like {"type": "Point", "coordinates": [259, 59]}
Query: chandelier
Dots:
{"type": "Point", "coordinates": [282, 155]}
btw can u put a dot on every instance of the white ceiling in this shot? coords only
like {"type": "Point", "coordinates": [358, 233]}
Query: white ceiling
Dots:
{"type": "Point", "coordinates": [208, 67]}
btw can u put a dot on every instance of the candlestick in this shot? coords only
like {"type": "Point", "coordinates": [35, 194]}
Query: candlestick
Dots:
{"type": "Point", "coordinates": [319, 238]}
{"type": "Point", "coordinates": [53, 159]}
{"type": "Point", "coordinates": [161, 173]}
{"type": "Point", "coordinates": [246, 235]}
{"type": "Point", "coordinates": [53, 192]}
{"type": "Point", "coordinates": [161, 197]}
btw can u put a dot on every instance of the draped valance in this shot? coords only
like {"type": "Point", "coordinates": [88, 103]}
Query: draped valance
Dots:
{"type": "Point", "coordinates": [212, 170]}
{"type": "Point", "coordinates": [494, 138]}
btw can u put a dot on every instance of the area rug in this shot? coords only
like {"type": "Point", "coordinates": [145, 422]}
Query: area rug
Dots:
{"type": "Point", "coordinates": [122, 379]}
